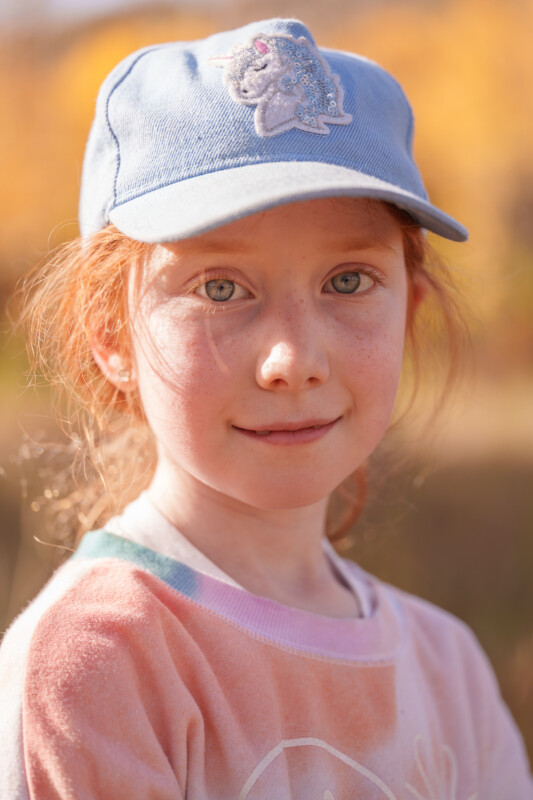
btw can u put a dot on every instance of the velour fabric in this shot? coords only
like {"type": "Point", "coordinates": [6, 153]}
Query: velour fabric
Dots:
{"type": "Point", "coordinates": [134, 675]}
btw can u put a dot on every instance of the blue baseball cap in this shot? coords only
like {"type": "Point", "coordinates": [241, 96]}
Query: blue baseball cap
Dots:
{"type": "Point", "coordinates": [189, 136]}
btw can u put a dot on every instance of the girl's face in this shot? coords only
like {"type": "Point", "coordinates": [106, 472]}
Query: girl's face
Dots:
{"type": "Point", "coordinates": [268, 351]}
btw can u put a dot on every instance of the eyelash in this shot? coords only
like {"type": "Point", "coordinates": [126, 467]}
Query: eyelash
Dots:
{"type": "Point", "coordinates": [369, 272]}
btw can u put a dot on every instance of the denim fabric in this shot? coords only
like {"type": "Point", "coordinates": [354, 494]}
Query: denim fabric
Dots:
{"type": "Point", "coordinates": [172, 153]}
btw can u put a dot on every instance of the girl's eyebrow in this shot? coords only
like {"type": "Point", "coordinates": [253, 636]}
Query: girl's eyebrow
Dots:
{"type": "Point", "coordinates": [361, 243]}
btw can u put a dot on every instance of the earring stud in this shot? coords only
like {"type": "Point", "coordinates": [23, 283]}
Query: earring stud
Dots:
{"type": "Point", "coordinates": [124, 375]}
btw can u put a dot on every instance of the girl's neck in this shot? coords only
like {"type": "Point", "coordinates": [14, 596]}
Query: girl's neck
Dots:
{"type": "Point", "coordinates": [275, 553]}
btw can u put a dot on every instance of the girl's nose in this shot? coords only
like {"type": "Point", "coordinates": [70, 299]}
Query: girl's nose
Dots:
{"type": "Point", "coordinates": [292, 360]}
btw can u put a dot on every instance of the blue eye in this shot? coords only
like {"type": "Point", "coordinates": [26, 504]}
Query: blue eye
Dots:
{"type": "Point", "coordinates": [219, 290]}
{"type": "Point", "coordinates": [346, 282]}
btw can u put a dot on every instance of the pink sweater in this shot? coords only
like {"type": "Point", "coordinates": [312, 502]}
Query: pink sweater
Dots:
{"type": "Point", "coordinates": [135, 676]}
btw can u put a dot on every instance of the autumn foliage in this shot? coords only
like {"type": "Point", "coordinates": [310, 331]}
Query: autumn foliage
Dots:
{"type": "Point", "coordinates": [467, 67]}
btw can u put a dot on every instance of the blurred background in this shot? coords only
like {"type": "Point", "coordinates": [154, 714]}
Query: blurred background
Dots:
{"type": "Point", "coordinates": [456, 525]}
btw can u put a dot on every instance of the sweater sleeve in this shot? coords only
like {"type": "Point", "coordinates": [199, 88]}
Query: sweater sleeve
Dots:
{"type": "Point", "coordinates": [104, 715]}
{"type": "Point", "coordinates": [504, 767]}
{"type": "Point", "coordinates": [507, 772]}
{"type": "Point", "coordinates": [478, 730]}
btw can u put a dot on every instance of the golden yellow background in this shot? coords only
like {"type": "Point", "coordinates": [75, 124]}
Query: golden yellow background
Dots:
{"type": "Point", "coordinates": [457, 526]}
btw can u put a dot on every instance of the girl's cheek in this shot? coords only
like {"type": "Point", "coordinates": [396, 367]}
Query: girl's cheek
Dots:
{"type": "Point", "coordinates": [184, 357]}
{"type": "Point", "coordinates": [378, 334]}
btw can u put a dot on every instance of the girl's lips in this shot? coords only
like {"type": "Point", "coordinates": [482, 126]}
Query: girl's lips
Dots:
{"type": "Point", "coordinates": [301, 433]}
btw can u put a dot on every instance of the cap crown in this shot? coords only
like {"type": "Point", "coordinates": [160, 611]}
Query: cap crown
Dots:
{"type": "Point", "coordinates": [171, 113]}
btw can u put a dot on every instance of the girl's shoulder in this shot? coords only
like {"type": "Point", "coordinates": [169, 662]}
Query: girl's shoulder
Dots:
{"type": "Point", "coordinates": [94, 639]}
{"type": "Point", "coordinates": [83, 605]}
{"type": "Point", "coordinates": [84, 598]}
{"type": "Point", "coordinates": [434, 632]}
{"type": "Point", "coordinates": [443, 661]}
{"type": "Point", "coordinates": [418, 616]}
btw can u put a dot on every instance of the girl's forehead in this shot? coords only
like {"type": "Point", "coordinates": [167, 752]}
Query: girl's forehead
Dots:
{"type": "Point", "coordinates": [330, 221]}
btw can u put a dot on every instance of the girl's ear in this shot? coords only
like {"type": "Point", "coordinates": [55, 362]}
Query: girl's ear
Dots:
{"type": "Point", "coordinates": [119, 370]}
{"type": "Point", "coordinates": [419, 289]}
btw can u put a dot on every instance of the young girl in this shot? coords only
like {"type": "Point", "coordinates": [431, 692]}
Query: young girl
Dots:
{"type": "Point", "coordinates": [250, 268]}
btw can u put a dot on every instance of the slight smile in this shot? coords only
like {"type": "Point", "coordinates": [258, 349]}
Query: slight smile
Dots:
{"type": "Point", "coordinates": [290, 432]}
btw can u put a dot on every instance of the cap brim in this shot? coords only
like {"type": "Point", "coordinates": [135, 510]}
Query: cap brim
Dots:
{"type": "Point", "coordinates": [191, 207]}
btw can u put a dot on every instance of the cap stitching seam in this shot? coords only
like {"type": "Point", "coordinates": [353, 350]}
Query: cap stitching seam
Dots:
{"type": "Point", "coordinates": [108, 123]}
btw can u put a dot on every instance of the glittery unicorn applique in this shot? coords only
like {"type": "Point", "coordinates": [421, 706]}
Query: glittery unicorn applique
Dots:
{"type": "Point", "coordinates": [288, 80]}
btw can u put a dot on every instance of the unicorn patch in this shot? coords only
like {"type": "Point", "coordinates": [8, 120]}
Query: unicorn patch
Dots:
{"type": "Point", "coordinates": [288, 80]}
